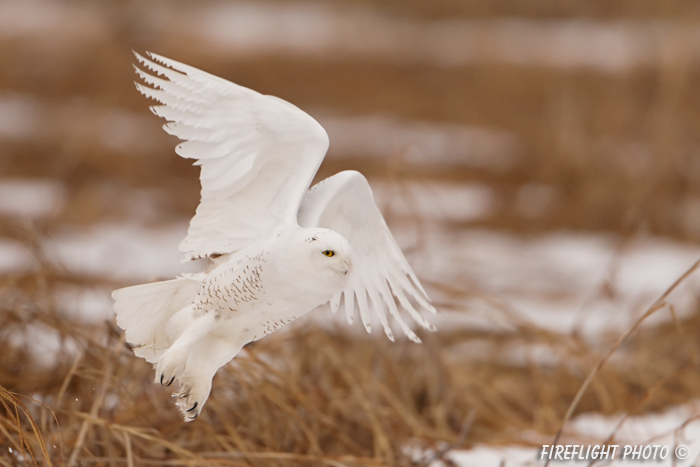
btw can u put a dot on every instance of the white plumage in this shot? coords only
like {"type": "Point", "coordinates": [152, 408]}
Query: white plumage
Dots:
{"type": "Point", "coordinates": [277, 250]}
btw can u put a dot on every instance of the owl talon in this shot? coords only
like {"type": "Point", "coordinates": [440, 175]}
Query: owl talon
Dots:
{"type": "Point", "coordinates": [193, 397]}
{"type": "Point", "coordinates": [171, 366]}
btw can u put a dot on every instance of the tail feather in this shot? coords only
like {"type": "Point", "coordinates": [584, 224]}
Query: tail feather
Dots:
{"type": "Point", "coordinates": [143, 312]}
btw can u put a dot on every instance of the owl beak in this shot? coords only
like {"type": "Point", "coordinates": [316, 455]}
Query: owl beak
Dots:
{"type": "Point", "coordinates": [348, 264]}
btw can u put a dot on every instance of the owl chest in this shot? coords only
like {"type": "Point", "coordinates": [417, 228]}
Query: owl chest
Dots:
{"type": "Point", "coordinates": [251, 302]}
{"type": "Point", "coordinates": [233, 290]}
{"type": "Point", "coordinates": [252, 299]}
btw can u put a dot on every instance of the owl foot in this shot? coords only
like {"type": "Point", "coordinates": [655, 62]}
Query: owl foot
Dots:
{"type": "Point", "coordinates": [191, 399]}
{"type": "Point", "coordinates": [171, 366]}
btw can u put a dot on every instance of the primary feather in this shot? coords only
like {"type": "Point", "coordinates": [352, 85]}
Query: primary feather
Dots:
{"type": "Point", "coordinates": [258, 154]}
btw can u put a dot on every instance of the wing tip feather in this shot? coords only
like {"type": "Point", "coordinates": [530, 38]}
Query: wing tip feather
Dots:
{"type": "Point", "coordinates": [138, 56]}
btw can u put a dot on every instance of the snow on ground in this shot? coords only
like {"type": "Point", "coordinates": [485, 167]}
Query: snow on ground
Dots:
{"type": "Point", "coordinates": [24, 118]}
{"type": "Point", "coordinates": [243, 28]}
{"type": "Point", "coordinates": [123, 252]}
{"type": "Point", "coordinates": [60, 22]}
{"type": "Point", "coordinates": [435, 201]}
{"type": "Point", "coordinates": [19, 115]}
{"type": "Point", "coordinates": [652, 428]}
{"type": "Point", "coordinates": [670, 428]}
{"type": "Point", "coordinates": [487, 456]}
{"type": "Point", "coordinates": [313, 29]}
{"type": "Point", "coordinates": [15, 257]}
{"type": "Point", "coordinates": [552, 280]}
{"type": "Point", "coordinates": [90, 305]}
{"type": "Point", "coordinates": [31, 198]}
{"type": "Point", "coordinates": [418, 143]}
{"type": "Point", "coordinates": [44, 343]}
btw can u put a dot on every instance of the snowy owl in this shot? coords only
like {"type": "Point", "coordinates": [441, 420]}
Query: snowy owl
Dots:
{"type": "Point", "coordinates": [277, 248]}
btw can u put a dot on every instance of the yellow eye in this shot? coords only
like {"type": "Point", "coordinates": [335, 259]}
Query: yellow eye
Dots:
{"type": "Point", "coordinates": [329, 253]}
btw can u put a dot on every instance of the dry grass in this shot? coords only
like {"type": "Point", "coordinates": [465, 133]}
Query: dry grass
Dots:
{"type": "Point", "coordinates": [315, 396]}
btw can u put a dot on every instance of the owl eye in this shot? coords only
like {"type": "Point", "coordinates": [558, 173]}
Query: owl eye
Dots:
{"type": "Point", "coordinates": [329, 253]}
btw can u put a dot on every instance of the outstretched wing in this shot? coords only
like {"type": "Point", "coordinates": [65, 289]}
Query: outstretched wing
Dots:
{"type": "Point", "coordinates": [258, 154]}
{"type": "Point", "coordinates": [344, 203]}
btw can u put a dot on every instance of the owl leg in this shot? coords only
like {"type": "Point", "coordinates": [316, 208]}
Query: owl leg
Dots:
{"type": "Point", "coordinates": [173, 361]}
{"type": "Point", "coordinates": [205, 358]}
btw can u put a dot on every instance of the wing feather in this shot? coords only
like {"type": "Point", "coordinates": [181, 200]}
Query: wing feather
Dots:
{"type": "Point", "coordinates": [371, 285]}
{"type": "Point", "coordinates": [335, 303]}
{"type": "Point", "coordinates": [349, 306]}
{"type": "Point", "coordinates": [360, 292]}
{"type": "Point", "coordinates": [257, 154]}
{"type": "Point", "coordinates": [344, 203]}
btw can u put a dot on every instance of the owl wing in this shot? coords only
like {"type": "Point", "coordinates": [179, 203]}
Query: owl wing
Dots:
{"type": "Point", "coordinates": [344, 203]}
{"type": "Point", "coordinates": [257, 153]}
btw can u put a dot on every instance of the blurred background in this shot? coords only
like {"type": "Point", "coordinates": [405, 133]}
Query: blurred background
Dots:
{"type": "Point", "coordinates": [539, 163]}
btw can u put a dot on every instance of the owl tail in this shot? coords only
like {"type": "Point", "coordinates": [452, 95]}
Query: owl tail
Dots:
{"type": "Point", "coordinates": [143, 311]}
